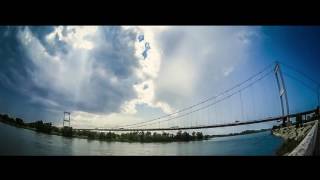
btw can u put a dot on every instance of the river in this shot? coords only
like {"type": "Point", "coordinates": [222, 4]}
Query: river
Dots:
{"type": "Point", "coordinates": [18, 141]}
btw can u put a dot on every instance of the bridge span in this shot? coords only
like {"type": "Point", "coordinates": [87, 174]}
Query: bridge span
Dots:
{"type": "Point", "coordinates": [206, 126]}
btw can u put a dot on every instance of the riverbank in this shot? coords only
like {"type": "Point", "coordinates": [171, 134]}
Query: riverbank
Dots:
{"type": "Point", "coordinates": [292, 136]}
{"type": "Point", "coordinates": [142, 136]}
{"type": "Point", "coordinates": [292, 132]}
{"type": "Point", "coordinates": [241, 133]}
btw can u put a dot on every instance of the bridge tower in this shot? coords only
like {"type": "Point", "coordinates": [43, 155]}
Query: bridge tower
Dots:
{"type": "Point", "coordinates": [282, 94]}
{"type": "Point", "coordinates": [66, 118]}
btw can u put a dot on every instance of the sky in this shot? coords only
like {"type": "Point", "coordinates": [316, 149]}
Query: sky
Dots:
{"type": "Point", "coordinates": [109, 76]}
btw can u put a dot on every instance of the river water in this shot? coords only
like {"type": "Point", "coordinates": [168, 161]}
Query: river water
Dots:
{"type": "Point", "coordinates": [18, 141]}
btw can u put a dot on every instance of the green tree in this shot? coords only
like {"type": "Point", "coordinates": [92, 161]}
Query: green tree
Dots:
{"type": "Point", "coordinates": [179, 135]}
{"type": "Point", "coordinates": [199, 136]}
{"type": "Point", "coordinates": [141, 136]}
{"type": "Point", "coordinates": [186, 136]}
{"type": "Point", "coordinates": [102, 136]}
{"type": "Point", "coordinates": [92, 135]}
{"type": "Point", "coordinates": [19, 121]}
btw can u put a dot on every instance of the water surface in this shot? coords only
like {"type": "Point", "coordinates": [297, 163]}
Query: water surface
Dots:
{"type": "Point", "coordinates": [18, 141]}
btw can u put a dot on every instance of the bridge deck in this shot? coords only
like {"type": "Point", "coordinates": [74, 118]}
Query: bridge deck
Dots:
{"type": "Point", "coordinates": [201, 127]}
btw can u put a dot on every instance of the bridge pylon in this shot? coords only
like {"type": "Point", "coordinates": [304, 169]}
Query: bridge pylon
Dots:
{"type": "Point", "coordinates": [317, 113]}
{"type": "Point", "coordinates": [282, 94]}
{"type": "Point", "coordinates": [66, 118]}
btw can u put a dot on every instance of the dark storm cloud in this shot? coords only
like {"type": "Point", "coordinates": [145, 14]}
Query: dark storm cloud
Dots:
{"type": "Point", "coordinates": [108, 68]}
{"type": "Point", "coordinates": [12, 62]}
{"type": "Point", "coordinates": [14, 78]}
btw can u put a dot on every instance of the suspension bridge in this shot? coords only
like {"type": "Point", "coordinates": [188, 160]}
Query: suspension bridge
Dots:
{"type": "Point", "coordinates": [243, 104]}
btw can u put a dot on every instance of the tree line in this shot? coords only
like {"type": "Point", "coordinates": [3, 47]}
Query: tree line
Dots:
{"type": "Point", "coordinates": [141, 136]}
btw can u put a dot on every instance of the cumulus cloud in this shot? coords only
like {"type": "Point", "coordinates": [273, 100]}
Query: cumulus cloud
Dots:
{"type": "Point", "coordinates": [93, 73]}
{"type": "Point", "coordinates": [102, 73]}
{"type": "Point", "coordinates": [196, 59]}
{"type": "Point", "coordinates": [95, 70]}
{"type": "Point", "coordinates": [150, 62]}
{"type": "Point", "coordinates": [82, 119]}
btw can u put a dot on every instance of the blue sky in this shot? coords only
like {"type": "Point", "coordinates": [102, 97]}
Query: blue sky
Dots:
{"type": "Point", "coordinates": [111, 75]}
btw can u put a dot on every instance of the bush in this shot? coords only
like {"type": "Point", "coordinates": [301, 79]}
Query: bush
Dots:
{"type": "Point", "coordinates": [91, 135]}
{"type": "Point", "coordinates": [199, 135]}
{"type": "Point", "coordinates": [102, 136]}
{"type": "Point", "coordinates": [42, 127]}
{"type": "Point", "coordinates": [19, 121]}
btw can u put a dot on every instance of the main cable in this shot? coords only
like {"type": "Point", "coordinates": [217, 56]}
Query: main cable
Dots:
{"type": "Point", "coordinates": [204, 101]}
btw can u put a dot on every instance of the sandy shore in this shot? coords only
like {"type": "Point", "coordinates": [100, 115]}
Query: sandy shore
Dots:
{"type": "Point", "coordinates": [291, 132]}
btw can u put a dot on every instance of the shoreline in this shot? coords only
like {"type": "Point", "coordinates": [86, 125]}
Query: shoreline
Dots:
{"type": "Point", "coordinates": [96, 137]}
{"type": "Point", "coordinates": [128, 141]}
{"type": "Point", "coordinates": [241, 133]}
{"type": "Point", "coordinates": [291, 132]}
{"type": "Point", "coordinates": [292, 136]}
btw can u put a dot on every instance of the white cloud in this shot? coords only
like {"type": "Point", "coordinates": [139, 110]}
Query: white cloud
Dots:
{"type": "Point", "coordinates": [93, 70]}
{"type": "Point", "coordinates": [101, 75]}
{"type": "Point", "coordinates": [80, 119]}
{"type": "Point", "coordinates": [195, 59]}
{"type": "Point", "coordinates": [84, 77]}
{"type": "Point", "coordinates": [246, 35]}
{"type": "Point", "coordinates": [228, 70]}
{"type": "Point", "coordinates": [150, 67]}
{"type": "Point", "coordinates": [76, 36]}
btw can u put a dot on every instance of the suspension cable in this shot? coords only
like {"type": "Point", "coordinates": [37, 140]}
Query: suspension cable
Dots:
{"type": "Point", "coordinates": [241, 105]}
{"type": "Point", "coordinates": [295, 78]}
{"type": "Point", "coordinates": [300, 72]}
{"type": "Point", "coordinates": [204, 101]}
{"type": "Point", "coordinates": [204, 107]}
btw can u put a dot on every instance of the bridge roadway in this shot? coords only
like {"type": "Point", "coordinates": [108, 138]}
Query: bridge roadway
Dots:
{"type": "Point", "coordinates": [203, 127]}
